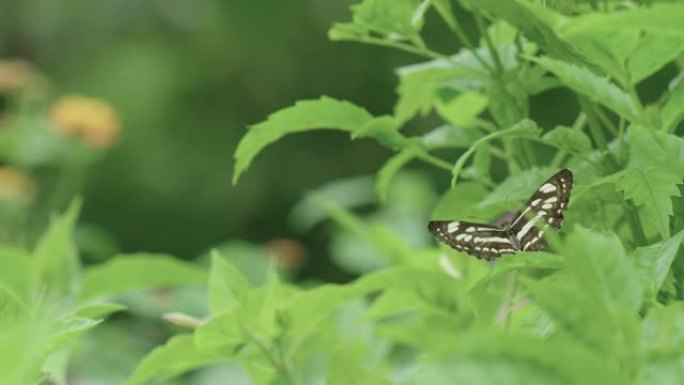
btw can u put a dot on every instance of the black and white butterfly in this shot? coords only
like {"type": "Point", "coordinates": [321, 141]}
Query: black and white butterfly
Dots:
{"type": "Point", "coordinates": [525, 232]}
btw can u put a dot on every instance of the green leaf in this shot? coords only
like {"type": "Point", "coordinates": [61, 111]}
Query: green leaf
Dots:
{"type": "Point", "coordinates": [138, 271]}
{"type": "Point", "coordinates": [568, 139]}
{"type": "Point", "coordinates": [536, 22]}
{"type": "Point", "coordinates": [460, 202]}
{"type": "Point", "coordinates": [24, 341]}
{"type": "Point", "coordinates": [227, 286]}
{"type": "Point", "coordinates": [447, 136]}
{"type": "Point", "coordinates": [55, 260]}
{"type": "Point", "coordinates": [463, 109]}
{"type": "Point", "coordinates": [390, 169]}
{"type": "Point", "coordinates": [68, 329]}
{"type": "Point", "coordinates": [395, 19]}
{"type": "Point", "coordinates": [307, 115]}
{"type": "Point", "coordinates": [99, 309]}
{"type": "Point", "coordinates": [498, 358]}
{"type": "Point", "coordinates": [349, 366]}
{"type": "Point", "coordinates": [179, 355]}
{"type": "Point", "coordinates": [654, 261]}
{"type": "Point", "coordinates": [517, 187]}
{"type": "Point", "coordinates": [418, 86]}
{"type": "Point", "coordinates": [663, 334]}
{"type": "Point", "coordinates": [583, 81]}
{"type": "Point", "coordinates": [15, 280]}
{"type": "Point", "coordinates": [649, 180]}
{"type": "Point", "coordinates": [599, 265]}
{"type": "Point", "coordinates": [673, 110]}
{"type": "Point", "coordinates": [523, 129]}
{"type": "Point", "coordinates": [630, 44]}
{"type": "Point", "coordinates": [385, 130]}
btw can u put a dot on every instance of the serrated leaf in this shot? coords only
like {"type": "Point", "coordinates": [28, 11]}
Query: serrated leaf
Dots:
{"type": "Point", "coordinates": [138, 271]}
{"type": "Point", "coordinates": [55, 260]}
{"type": "Point", "coordinates": [654, 261]}
{"type": "Point", "coordinates": [179, 355]}
{"type": "Point", "coordinates": [651, 188]}
{"type": "Point", "coordinates": [227, 286]}
{"type": "Point", "coordinates": [598, 263]}
{"type": "Point", "coordinates": [323, 113]}
{"type": "Point", "coordinates": [585, 82]}
{"type": "Point", "coordinates": [568, 139]}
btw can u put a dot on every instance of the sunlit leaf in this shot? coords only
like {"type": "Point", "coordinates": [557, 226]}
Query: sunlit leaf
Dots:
{"type": "Point", "coordinates": [179, 355]}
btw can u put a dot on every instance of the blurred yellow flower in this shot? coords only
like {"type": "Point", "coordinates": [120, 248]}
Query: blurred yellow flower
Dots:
{"type": "Point", "coordinates": [16, 74]}
{"type": "Point", "coordinates": [92, 119]}
{"type": "Point", "coordinates": [16, 186]}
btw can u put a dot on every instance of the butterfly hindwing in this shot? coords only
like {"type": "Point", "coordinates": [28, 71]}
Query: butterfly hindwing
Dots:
{"type": "Point", "coordinates": [543, 210]}
{"type": "Point", "coordinates": [483, 241]}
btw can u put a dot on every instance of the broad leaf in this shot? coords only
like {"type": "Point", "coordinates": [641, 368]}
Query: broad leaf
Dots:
{"type": "Point", "coordinates": [138, 271]}
{"type": "Point", "coordinates": [178, 356]}
{"type": "Point", "coordinates": [15, 280]}
{"type": "Point", "coordinates": [348, 366]}
{"type": "Point", "coordinates": [518, 187]}
{"type": "Point", "coordinates": [599, 265]}
{"type": "Point", "coordinates": [654, 261]}
{"type": "Point", "coordinates": [227, 286]}
{"type": "Point", "coordinates": [597, 88]}
{"type": "Point", "coordinates": [497, 358]}
{"type": "Point", "coordinates": [568, 139]}
{"type": "Point", "coordinates": [323, 113]}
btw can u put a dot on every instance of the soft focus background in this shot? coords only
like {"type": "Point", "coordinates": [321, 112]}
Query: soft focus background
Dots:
{"type": "Point", "coordinates": [185, 80]}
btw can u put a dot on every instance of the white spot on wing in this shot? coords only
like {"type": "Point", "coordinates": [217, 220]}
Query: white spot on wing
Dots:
{"type": "Point", "coordinates": [452, 227]}
{"type": "Point", "coordinates": [547, 188]}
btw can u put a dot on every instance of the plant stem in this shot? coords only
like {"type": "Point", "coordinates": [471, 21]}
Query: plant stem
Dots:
{"type": "Point", "coordinates": [435, 161]}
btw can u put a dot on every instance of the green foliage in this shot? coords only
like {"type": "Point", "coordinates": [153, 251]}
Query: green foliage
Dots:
{"type": "Point", "coordinates": [604, 304]}
{"type": "Point", "coordinates": [604, 307]}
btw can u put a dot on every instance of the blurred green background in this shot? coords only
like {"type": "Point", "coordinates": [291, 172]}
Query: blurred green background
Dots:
{"type": "Point", "coordinates": [186, 79]}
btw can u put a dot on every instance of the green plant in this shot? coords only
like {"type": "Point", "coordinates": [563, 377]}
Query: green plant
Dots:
{"type": "Point", "coordinates": [603, 305]}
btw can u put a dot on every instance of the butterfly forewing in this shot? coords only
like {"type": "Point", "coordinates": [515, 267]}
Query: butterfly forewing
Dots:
{"type": "Point", "coordinates": [483, 241]}
{"type": "Point", "coordinates": [525, 233]}
{"type": "Point", "coordinates": [543, 210]}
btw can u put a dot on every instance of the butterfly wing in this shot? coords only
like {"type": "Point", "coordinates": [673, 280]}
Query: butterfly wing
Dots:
{"type": "Point", "coordinates": [483, 241]}
{"type": "Point", "coordinates": [544, 209]}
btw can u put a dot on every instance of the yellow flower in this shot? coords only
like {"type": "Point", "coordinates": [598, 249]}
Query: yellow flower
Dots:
{"type": "Point", "coordinates": [16, 186]}
{"type": "Point", "coordinates": [92, 119]}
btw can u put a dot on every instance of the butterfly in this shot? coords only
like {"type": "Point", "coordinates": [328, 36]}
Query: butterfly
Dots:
{"type": "Point", "coordinates": [525, 232]}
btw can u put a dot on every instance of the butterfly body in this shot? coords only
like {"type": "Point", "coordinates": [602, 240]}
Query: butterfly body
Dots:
{"type": "Point", "coordinates": [525, 232]}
